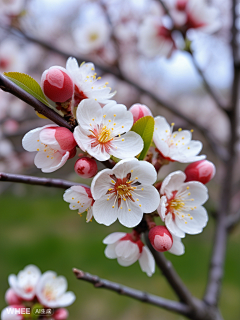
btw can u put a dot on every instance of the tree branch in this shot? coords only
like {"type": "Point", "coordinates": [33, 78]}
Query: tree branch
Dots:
{"type": "Point", "coordinates": [232, 220]}
{"type": "Point", "coordinates": [219, 249]}
{"type": "Point", "coordinates": [9, 86]}
{"type": "Point", "coordinates": [220, 151]}
{"type": "Point", "coordinates": [208, 87]}
{"type": "Point", "coordinates": [171, 275]}
{"type": "Point", "coordinates": [46, 182]}
{"type": "Point", "coordinates": [133, 293]}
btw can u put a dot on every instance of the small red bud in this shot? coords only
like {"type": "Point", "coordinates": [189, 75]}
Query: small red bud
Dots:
{"type": "Point", "coordinates": [160, 238]}
{"type": "Point", "coordinates": [139, 110]}
{"type": "Point", "coordinates": [202, 171]}
{"type": "Point", "coordinates": [86, 167]}
{"type": "Point", "coordinates": [60, 314]}
{"type": "Point", "coordinates": [11, 297]}
{"type": "Point", "coordinates": [57, 84]}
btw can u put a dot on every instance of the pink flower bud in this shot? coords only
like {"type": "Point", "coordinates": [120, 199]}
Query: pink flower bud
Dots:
{"type": "Point", "coordinates": [65, 138]}
{"type": "Point", "coordinates": [202, 171]}
{"type": "Point", "coordinates": [160, 238]}
{"type": "Point", "coordinates": [57, 84]}
{"type": "Point", "coordinates": [11, 297]}
{"type": "Point", "coordinates": [86, 167]}
{"type": "Point", "coordinates": [60, 314]}
{"type": "Point", "coordinates": [139, 110]}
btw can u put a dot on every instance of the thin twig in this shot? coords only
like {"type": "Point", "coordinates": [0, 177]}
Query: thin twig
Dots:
{"type": "Point", "coordinates": [46, 182]}
{"type": "Point", "coordinates": [217, 148]}
{"type": "Point", "coordinates": [9, 86]}
{"type": "Point", "coordinates": [208, 87]}
{"type": "Point", "coordinates": [133, 293]}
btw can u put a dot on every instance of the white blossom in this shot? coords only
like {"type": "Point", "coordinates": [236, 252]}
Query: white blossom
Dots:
{"type": "Point", "coordinates": [127, 249]}
{"type": "Point", "coordinates": [51, 291]}
{"type": "Point", "coordinates": [24, 284]}
{"type": "Point", "coordinates": [155, 39]}
{"type": "Point", "coordinates": [181, 205]}
{"type": "Point", "coordinates": [52, 153]}
{"type": "Point", "coordinates": [103, 132]}
{"type": "Point", "coordinates": [125, 193]}
{"type": "Point", "coordinates": [195, 14]}
{"type": "Point", "coordinates": [80, 198]}
{"type": "Point", "coordinates": [177, 145]}
{"type": "Point", "coordinates": [87, 84]}
{"type": "Point", "coordinates": [91, 36]}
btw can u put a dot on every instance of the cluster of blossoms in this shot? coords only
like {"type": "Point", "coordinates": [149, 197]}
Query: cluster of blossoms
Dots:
{"type": "Point", "coordinates": [126, 192]}
{"type": "Point", "coordinates": [33, 293]}
{"type": "Point", "coordinates": [156, 36]}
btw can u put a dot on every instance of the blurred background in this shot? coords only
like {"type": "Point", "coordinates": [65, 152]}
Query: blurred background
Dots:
{"type": "Point", "coordinates": [36, 225]}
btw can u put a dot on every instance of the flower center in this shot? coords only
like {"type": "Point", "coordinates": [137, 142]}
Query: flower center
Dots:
{"type": "Point", "coordinates": [104, 135]}
{"type": "Point", "coordinates": [176, 204]}
{"type": "Point", "coordinates": [48, 292]}
{"type": "Point", "coordinates": [93, 36]}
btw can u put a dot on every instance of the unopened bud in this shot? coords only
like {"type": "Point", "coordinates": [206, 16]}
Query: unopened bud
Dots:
{"type": "Point", "coordinates": [139, 110]}
{"type": "Point", "coordinates": [86, 167]}
{"type": "Point", "coordinates": [160, 238]}
{"type": "Point", "coordinates": [11, 297]}
{"type": "Point", "coordinates": [202, 171]}
{"type": "Point", "coordinates": [65, 138]}
{"type": "Point", "coordinates": [57, 84]}
{"type": "Point", "coordinates": [60, 314]}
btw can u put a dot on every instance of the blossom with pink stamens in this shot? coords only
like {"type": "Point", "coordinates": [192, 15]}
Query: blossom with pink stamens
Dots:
{"type": "Point", "coordinates": [103, 132]}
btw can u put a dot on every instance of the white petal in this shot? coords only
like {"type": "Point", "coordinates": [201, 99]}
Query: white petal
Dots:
{"type": "Point", "coordinates": [66, 300]}
{"type": "Point", "coordinates": [113, 237]}
{"type": "Point", "coordinates": [118, 118]}
{"type": "Point", "coordinates": [30, 140]}
{"type": "Point", "coordinates": [72, 65]}
{"type": "Point", "coordinates": [127, 146]}
{"type": "Point", "coordinates": [47, 136]}
{"type": "Point", "coordinates": [59, 161]}
{"type": "Point", "coordinates": [81, 137]}
{"type": "Point", "coordinates": [103, 211]}
{"type": "Point", "coordinates": [172, 226]}
{"type": "Point", "coordinates": [123, 167]}
{"type": "Point", "coordinates": [161, 128]}
{"type": "Point", "coordinates": [149, 198]}
{"type": "Point", "coordinates": [172, 183]}
{"type": "Point", "coordinates": [130, 218]}
{"type": "Point", "coordinates": [196, 194]}
{"type": "Point", "coordinates": [195, 225]}
{"type": "Point", "coordinates": [89, 114]}
{"type": "Point", "coordinates": [100, 152]}
{"type": "Point", "coordinates": [110, 252]}
{"type": "Point", "coordinates": [147, 262]}
{"type": "Point", "coordinates": [127, 252]}
{"type": "Point", "coordinates": [177, 247]}
{"type": "Point", "coordinates": [163, 147]}
{"type": "Point", "coordinates": [142, 170]}
{"type": "Point", "coordinates": [101, 183]}
{"type": "Point", "coordinates": [162, 209]}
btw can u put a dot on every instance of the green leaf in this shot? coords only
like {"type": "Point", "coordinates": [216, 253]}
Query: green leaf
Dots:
{"type": "Point", "coordinates": [144, 127]}
{"type": "Point", "coordinates": [28, 84]}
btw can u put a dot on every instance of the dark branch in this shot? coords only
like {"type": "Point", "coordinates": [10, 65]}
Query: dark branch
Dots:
{"type": "Point", "coordinates": [9, 86]}
{"type": "Point", "coordinates": [171, 275]}
{"type": "Point", "coordinates": [133, 293]}
{"type": "Point", "coordinates": [46, 182]}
